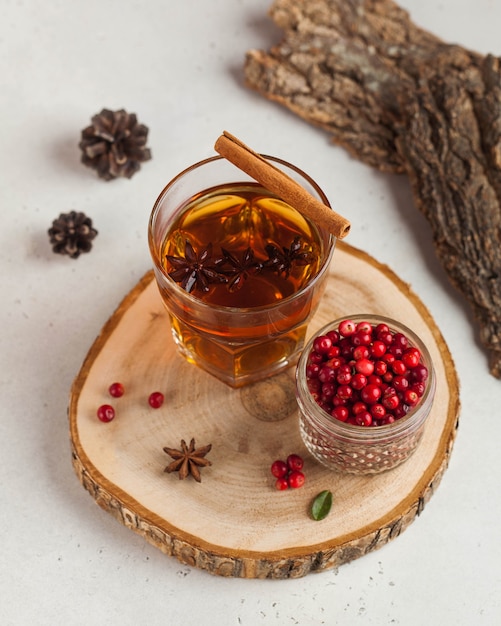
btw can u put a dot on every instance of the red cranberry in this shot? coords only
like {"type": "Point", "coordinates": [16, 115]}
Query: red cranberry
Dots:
{"type": "Point", "coordinates": [418, 388]}
{"type": "Point", "coordinates": [282, 483]}
{"type": "Point", "coordinates": [361, 339]}
{"type": "Point", "coordinates": [399, 368]}
{"type": "Point", "coordinates": [322, 344]}
{"type": "Point", "coordinates": [419, 374]}
{"type": "Point", "coordinates": [106, 413]}
{"type": "Point", "coordinates": [361, 352]}
{"type": "Point", "coordinates": [365, 367]}
{"type": "Point", "coordinates": [364, 327]}
{"type": "Point", "coordinates": [370, 394]}
{"type": "Point", "coordinates": [401, 340]}
{"type": "Point", "coordinates": [341, 413]}
{"type": "Point", "coordinates": [388, 377]}
{"type": "Point", "coordinates": [327, 374]}
{"type": "Point", "coordinates": [345, 392]}
{"type": "Point", "coordinates": [400, 383]}
{"type": "Point", "coordinates": [344, 374]}
{"type": "Point", "coordinates": [364, 419]}
{"type": "Point", "coordinates": [279, 469]}
{"type": "Point", "coordinates": [358, 407]}
{"type": "Point", "coordinates": [312, 370]}
{"type": "Point", "coordinates": [378, 348]}
{"type": "Point", "coordinates": [333, 336]}
{"type": "Point", "coordinates": [334, 352]}
{"type": "Point", "coordinates": [390, 399]}
{"type": "Point", "coordinates": [315, 357]}
{"type": "Point", "coordinates": [295, 462]}
{"type": "Point", "coordinates": [358, 381]}
{"type": "Point", "coordinates": [411, 357]}
{"type": "Point", "coordinates": [296, 479]}
{"type": "Point", "coordinates": [156, 399]}
{"type": "Point", "coordinates": [388, 358]}
{"type": "Point", "coordinates": [378, 411]}
{"type": "Point", "coordinates": [116, 390]}
{"type": "Point", "coordinates": [411, 397]}
{"type": "Point", "coordinates": [400, 411]}
{"type": "Point", "coordinates": [385, 336]}
{"type": "Point", "coordinates": [328, 391]}
{"type": "Point", "coordinates": [347, 328]}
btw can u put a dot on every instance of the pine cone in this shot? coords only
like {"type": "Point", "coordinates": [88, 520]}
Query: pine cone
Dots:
{"type": "Point", "coordinates": [71, 234]}
{"type": "Point", "coordinates": [115, 144]}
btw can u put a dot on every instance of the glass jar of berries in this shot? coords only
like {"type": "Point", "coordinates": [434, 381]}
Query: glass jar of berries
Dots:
{"type": "Point", "coordinates": [365, 386]}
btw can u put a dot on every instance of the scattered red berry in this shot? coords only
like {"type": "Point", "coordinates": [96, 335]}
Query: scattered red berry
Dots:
{"type": "Point", "coordinates": [281, 484]}
{"type": "Point", "coordinates": [365, 374]}
{"type": "Point", "coordinates": [295, 462]}
{"type": "Point", "coordinates": [116, 390]}
{"type": "Point", "coordinates": [296, 479]}
{"type": "Point", "coordinates": [106, 413]}
{"type": "Point", "coordinates": [288, 473]}
{"type": "Point", "coordinates": [156, 399]}
{"type": "Point", "coordinates": [279, 469]}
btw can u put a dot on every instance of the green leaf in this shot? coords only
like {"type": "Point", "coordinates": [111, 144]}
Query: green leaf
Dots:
{"type": "Point", "coordinates": [321, 505]}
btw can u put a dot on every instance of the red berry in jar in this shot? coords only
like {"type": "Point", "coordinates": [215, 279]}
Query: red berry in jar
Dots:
{"type": "Point", "coordinates": [411, 357]}
{"type": "Point", "coordinates": [364, 327]}
{"type": "Point", "coordinates": [322, 344]}
{"type": "Point", "coordinates": [363, 419]}
{"type": "Point", "coordinates": [365, 367]}
{"type": "Point", "coordinates": [376, 377]}
{"type": "Point", "coordinates": [116, 390]}
{"type": "Point", "coordinates": [370, 394]}
{"type": "Point", "coordinates": [341, 413]}
{"type": "Point", "coordinates": [296, 479]}
{"type": "Point", "coordinates": [347, 328]}
{"type": "Point", "coordinates": [106, 413]}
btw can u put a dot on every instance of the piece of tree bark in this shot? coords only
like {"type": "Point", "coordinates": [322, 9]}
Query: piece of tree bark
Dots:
{"type": "Point", "coordinates": [400, 99]}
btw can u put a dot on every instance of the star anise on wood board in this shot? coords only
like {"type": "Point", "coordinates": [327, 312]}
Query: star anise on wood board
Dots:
{"type": "Point", "coordinates": [188, 460]}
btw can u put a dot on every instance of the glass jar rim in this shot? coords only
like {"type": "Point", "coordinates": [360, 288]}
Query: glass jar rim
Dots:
{"type": "Point", "coordinates": [248, 311]}
{"type": "Point", "coordinates": [412, 419]}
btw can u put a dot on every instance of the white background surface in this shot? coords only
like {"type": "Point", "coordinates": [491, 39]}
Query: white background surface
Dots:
{"type": "Point", "coordinates": [178, 65]}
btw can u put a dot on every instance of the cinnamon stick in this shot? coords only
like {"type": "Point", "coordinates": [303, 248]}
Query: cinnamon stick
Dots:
{"type": "Point", "coordinates": [281, 184]}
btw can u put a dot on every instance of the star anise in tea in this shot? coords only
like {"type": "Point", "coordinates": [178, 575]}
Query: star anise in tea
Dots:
{"type": "Point", "coordinates": [198, 270]}
{"type": "Point", "coordinates": [281, 260]}
{"type": "Point", "coordinates": [238, 269]}
{"type": "Point", "coordinates": [195, 270]}
{"type": "Point", "coordinates": [188, 460]}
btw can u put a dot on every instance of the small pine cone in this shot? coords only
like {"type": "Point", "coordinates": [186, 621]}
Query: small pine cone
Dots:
{"type": "Point", "coordinates": [115, 144]}
{"type": "Point", "coordinates": [72, 233]}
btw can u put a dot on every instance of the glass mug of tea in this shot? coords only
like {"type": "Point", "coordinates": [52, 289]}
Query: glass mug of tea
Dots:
{"type": "Point", "coordinates": [240, 271]}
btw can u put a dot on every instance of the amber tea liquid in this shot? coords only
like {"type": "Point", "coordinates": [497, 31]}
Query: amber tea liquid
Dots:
{"type": "Point", "coordinates": [261, 325]}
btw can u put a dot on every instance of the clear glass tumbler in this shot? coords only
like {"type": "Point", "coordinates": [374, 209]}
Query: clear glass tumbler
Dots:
{"type": "Point", "coordinates": [240, 272]}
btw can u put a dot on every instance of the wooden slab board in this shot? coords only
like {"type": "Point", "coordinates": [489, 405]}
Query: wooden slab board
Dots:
{"type": "Point", "coordinates": [234, 523]}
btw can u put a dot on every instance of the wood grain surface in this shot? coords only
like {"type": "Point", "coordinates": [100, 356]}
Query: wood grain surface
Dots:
{"type": "Point", "coordinates": [234, 523]}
